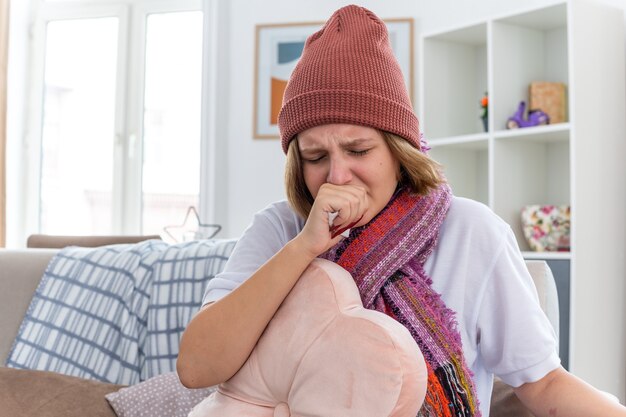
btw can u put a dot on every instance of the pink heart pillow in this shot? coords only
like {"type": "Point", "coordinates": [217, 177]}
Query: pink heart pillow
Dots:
{"type": "Point", "coordinates": [324, 354]}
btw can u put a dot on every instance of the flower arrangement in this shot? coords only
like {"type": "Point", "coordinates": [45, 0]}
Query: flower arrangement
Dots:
{"type": "Point", "coordinates": [484, 104]}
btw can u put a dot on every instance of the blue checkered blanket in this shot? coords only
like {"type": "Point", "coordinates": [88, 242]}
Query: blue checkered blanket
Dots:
{"type": "Point", "coordinates": [116, 313]}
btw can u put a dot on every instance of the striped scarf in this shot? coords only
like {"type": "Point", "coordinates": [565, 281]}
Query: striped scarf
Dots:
{"type": "Point", "coordinates": [386, 258]}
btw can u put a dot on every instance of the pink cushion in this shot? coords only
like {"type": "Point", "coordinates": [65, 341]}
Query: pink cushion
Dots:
{"type": "Point", "coordinates": [324, 354]}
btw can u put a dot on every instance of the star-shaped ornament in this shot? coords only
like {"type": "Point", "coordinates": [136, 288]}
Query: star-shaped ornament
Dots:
{"type": "Point", "coordinates": [191, 228]}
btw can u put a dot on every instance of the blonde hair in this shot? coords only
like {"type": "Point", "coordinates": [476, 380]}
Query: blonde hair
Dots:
{"type": "Point", "coordinates": [417, 170]}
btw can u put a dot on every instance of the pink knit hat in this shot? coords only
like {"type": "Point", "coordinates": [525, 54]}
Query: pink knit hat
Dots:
{"type": "Point", "coordinates": [348, 74]}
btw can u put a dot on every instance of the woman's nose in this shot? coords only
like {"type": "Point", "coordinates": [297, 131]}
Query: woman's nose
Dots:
{"type": "Point", "coordinates": [339, 172]}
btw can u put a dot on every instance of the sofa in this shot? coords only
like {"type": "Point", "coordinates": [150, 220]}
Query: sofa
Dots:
{"type": "Point", "coordinates": [50, 393]}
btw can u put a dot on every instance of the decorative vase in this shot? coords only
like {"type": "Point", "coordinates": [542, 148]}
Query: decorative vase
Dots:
{"type": "Point", "coordinates": [485, 120]}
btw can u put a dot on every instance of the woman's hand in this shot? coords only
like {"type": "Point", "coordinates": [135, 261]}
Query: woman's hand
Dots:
{"type": "Point", "coordinates": [350, 202]}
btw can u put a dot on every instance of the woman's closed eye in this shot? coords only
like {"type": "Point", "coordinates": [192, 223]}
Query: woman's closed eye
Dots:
{"type": "Point", "coordinates": [314, 159]}
{"type": "Point", "coordinates": [360, 152]}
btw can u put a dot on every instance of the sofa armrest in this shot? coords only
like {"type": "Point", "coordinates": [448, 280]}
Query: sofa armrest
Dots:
{"type": "Point", "coordinates": [20, 273]}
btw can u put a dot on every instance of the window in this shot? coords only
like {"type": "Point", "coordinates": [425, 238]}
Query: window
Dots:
{"type": "Point", "coordinates": [78, 123]}
{"type": "Point", "coordinates": [171, 117]}
{"type": "Point", "coordinates": [118, 127]}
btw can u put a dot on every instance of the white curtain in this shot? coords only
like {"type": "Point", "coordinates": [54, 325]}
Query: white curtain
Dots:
{"type": "Point", "coordinates": [4, 44]}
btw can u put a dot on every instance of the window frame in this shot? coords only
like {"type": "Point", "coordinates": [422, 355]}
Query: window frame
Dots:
{"type": "Point", "coordinates": [129, 105]}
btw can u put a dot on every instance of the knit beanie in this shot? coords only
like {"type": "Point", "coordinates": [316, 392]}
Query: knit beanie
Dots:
{"type": "Point", "coordinates": [348, 74]}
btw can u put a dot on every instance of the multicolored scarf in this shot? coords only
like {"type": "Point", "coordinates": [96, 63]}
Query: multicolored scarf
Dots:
{"type": "Point", "coordinates": [386, 258]}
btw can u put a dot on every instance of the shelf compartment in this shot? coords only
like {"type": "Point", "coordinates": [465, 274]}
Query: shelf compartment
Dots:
{"type": "Point", "coordinates": [455, 74]}
{"type": "Point", "coordinates": [466, 166]}
{"type": "Point", "coordinates": [528, 47]}
{"type": "Point", "coordinates": [535, 171]}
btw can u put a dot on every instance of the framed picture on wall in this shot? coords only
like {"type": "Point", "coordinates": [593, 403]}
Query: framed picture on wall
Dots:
{"type": "Point", "coordinates": [278, 48]}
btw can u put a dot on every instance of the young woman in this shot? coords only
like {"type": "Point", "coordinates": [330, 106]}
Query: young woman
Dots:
{"type": "Point", "coordinates": [445, 267]}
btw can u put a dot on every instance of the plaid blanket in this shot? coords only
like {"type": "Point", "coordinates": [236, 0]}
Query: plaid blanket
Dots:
{"type": "Point", "coordinates": [116, 313]}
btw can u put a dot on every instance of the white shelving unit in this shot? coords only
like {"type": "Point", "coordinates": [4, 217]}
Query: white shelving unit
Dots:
{"type": "Point", "coordinates": [578, 163]}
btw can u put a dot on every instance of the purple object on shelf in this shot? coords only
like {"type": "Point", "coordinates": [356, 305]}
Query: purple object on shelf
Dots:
{"type": "Point", "coordinates": [535, 118]}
